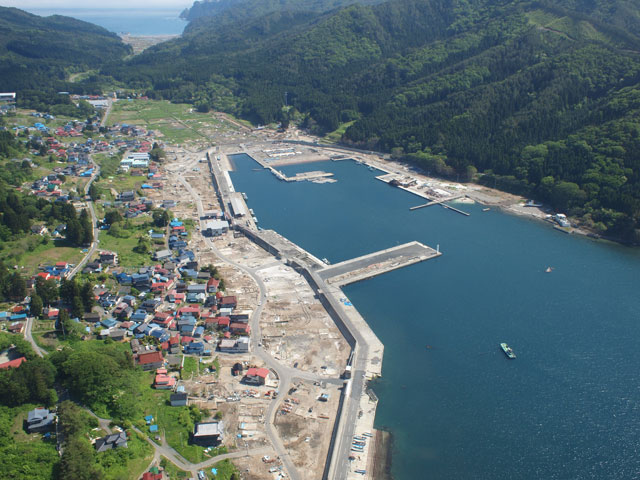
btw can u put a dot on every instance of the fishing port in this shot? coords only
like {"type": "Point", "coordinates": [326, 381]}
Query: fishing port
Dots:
{"type": "Point", "coordinates": [356, 410]}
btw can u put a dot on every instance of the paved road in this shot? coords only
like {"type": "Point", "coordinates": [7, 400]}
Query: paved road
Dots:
{"type": "Point", "coordinates": [27, 335]}
{"type": "Point", "coordinates": [94, 222]}
{"type": "Point", "coordinates": [106, 113]}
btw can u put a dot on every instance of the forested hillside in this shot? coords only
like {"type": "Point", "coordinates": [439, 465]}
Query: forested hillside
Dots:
{"type": "Point", "coordinates": [39, 53]}
{"type": "Point", "coordinates": [542, 97]}
{"type": "Point", "coordinates": [228, 10]}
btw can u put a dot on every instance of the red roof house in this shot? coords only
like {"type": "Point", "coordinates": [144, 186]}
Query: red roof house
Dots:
{"type": "Point", "coordinates": [150, 360]}
{"type": "Point", "coordinates": [13, 363]}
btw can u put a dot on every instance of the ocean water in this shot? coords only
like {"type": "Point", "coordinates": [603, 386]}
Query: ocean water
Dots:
{"type": "Point", "coordinates": [134, 21]}
{"type": "Point", "coordinates": [567, 408]}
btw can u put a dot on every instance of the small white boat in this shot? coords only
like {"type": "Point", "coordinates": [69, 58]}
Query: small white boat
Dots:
{"type": "Point", "coordinates": [548, 270]}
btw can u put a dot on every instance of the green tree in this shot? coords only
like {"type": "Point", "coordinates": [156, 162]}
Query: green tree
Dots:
{"type": "Point", "coordinates": [47, 290]}
{"type": "Point", "coordinates": [94, 192]}
{"type": "Point", "coordinates": [35, 306]}
{"type": "Point", "coordinates": [112, 216]}
{"type": "Point", "coordinates": [87, 296]}
{"type": "Point", "coordinates": [77, 460]}
{"type": "Point", "coordinates": [17, 286]}
{"type": "Point", "coordinates": [161, 218]}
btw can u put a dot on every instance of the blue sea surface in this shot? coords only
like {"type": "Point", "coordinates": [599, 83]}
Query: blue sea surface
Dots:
{"type": "Point", "coordinates": [134, 21]}
{"type": "Point", "coordinates": [567, 408]}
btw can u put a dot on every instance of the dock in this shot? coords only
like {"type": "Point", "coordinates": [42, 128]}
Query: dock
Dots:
{"type": "Point", "coordinates": [299, 177]}
{"type": "Point", "coordinates": [436, 202]}
{"type": "Point", "coordinates": [377, 263]}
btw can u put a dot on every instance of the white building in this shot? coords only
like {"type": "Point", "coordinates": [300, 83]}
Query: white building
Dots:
{"type": "Point", "coordinates": [240, 345]}
{"type": "Point", "coordinates": [215, 228]}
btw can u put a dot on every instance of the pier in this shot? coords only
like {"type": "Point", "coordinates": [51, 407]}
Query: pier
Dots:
{"type": "Point", "coordinates": [408, 184]}
{"type": "Point", "coordinates": [299, 177]}
{"type": "Point", "coordinates": [373, 264]}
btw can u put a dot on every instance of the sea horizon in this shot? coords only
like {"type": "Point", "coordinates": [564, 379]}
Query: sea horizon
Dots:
{"type": "Point", "coordinates": [132, 21]}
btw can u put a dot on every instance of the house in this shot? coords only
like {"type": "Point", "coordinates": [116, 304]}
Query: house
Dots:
{"type": "Point", "coordinates": [150, 360]}
{"type": "Point", "coordinates": [118, 334]}
{"type": "Point", "coordinates": [240, 345]}
{"type": "Point", "coordinates": [192, 310]}
{"type": "Point", "coordinates": [238, 328]}
{"type": "Point", "coordinates": [208, 434]}
{"type": "Point", "coordinates": [40, 420]}
{"type": "Point", "coordinates": [197, 288]}
{"type": "Point", "coordinates": [195, 348]}
{"type": "Point", "coordinates": [115, 440]}
{"type": "Point", "coordinates": [161, 255]}
{"type": "Point", "coordinates": [224, 323]}
{"type": "Point", "coordinates": [16, 327]}
{"type": "Point", "coordinates": [256, 376]}
{"type": "Point", "coordinates": [163, 381]}
{"type": "Point", "coordinates": [241, 316]}
{"type": "Point", "coordinates": [150, 305]}
{"type": "Point", "coordinates": [15, 363]}
{"type": "Point", "coordinates": [92, 317]}
{"type": "Point", "coordinates": [228, 302]}
{"type": "Point", "coordinates": [212, 285]}
{"type": "Point", "coordinates": [151, 475]}
{"type": "Point", "coordinates": [108, 258]}
{"type": "Point", "coordinates": [39, 230]}
{"type": "Point", "coordinates": [126, 196]}
{"type": "Point", "coordinates": [178, 399]}
{"type": "Point", "coordinates": [162, 318]}
{"type": "Point", "coordinates": [141, 281]}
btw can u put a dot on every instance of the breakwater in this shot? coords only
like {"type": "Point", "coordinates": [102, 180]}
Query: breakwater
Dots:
{"type": "Point", "coordinates": [563, 409]}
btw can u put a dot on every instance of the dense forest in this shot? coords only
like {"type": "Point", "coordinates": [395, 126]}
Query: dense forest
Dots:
{"type": "Point", "coordinates": [541, 98]}
{"type": "Point", "coordinates": [39, 54]}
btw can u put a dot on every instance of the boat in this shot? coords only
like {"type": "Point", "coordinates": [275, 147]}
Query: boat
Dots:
{"type": "Point", "coordinates": [508, 351]}
{"type": "Point", "coordinates": [326, 261]}
{"type": "Point", "coordinates": [486, 209]}
{"type": "Point", "coordinates": [548, 270]}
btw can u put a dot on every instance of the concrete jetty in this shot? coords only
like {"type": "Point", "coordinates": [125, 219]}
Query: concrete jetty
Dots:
{"type": "Point", "coordinates": [377, 263]}
{"type": "Point", "coordinates": [299, 177]}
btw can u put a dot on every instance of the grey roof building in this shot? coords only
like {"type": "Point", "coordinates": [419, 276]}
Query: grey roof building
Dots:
{"type": "Point", "coordinates": [208, 433]}
{"type": "Point", "coordinates": [40, 420]}
{"type": "Point", "coordinates": [114, 440]}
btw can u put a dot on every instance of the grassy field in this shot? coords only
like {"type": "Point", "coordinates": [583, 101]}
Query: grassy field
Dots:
{"type": "Point", "coordinates": [119, 183]}
{"type": "Point", "coordinates": [127, 241]}
{"type": "Point", "coordinates": [29, 252]}
{"type": "Point", "coordinates": [191, 367]}
{"type": "Point", "coordinates": [172, 470]}
{"type": "Point", "coordinates": [178, 123]}
{"type": "Point", "coordinates": [108, 163]}
{"type": "Point", "coordinates": [336, 135]}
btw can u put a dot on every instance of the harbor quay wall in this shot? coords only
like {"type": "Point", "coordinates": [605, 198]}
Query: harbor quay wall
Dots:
{"type": "Point", "coordinates": [328, 305]}
{"type": "Point", "coordinates": [335, 432]}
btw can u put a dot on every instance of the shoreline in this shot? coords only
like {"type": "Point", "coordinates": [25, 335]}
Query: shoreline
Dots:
{"type": "Point", "coordinates": [491, 197]}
